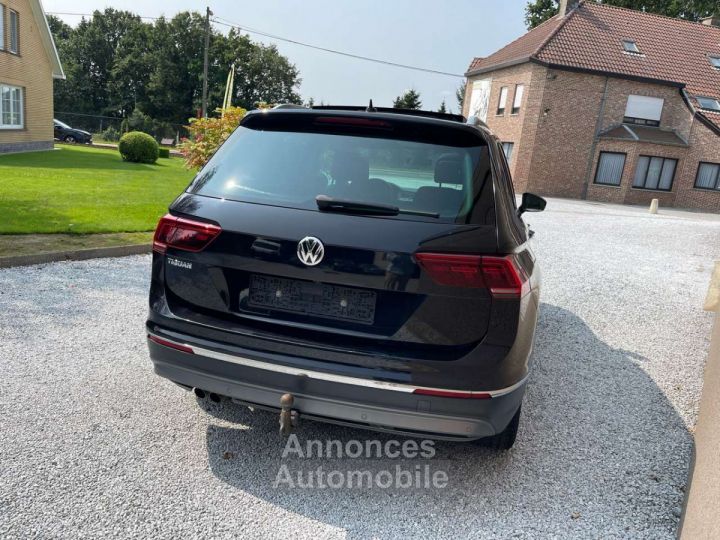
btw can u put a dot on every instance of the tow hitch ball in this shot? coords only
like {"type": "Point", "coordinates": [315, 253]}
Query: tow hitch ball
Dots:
{"type": "Point", "coordinates": [288, 417]}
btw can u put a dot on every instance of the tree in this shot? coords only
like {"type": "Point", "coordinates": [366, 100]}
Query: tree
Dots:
{"type": "Point", "coordinates": [263, 74]}
{"type": "Point", "coordinates": [409, 100]}
{"type": "Point", "coordinates": [116, 63]}
{"type": "Point", "coordinates": [538, 11]}
{"type": "Point", "coordinates": [443, 108]}
{"type": "Point", "coordinates": [460, 95]}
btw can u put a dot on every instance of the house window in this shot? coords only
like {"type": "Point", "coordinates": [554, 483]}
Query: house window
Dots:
{"type": "Point", "coordinates": [508, 150]}
{"type": "Point", "coordinates": [610, 168]}
{"type": "Point", "coordinates": [11, 107]}
{"type": "Point", "coordinates": [708, 176]}
{"type": "Point", "coordinates": [643, 110]}
{"type": "Point", "coordinates": [2, 27]}
{"type": "Point", "coordinates": [710, 104]}
{"type": "Point", "coordinates": [654, 173]}
{"type": "Point", "coordinates": [502, 101]}
{"type": "Point", "coordinates": [517, 100]}
{"type": "Point", "coordinates": [714, 61]}
{"type": "Point", "coordinates": [14, 37]}
{"type": "Point", "coordinates": [630, 46]}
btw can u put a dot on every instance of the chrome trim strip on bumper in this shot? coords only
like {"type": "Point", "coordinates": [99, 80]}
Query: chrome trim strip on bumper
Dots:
{"type": "Point", "coordinates": [331, 377]}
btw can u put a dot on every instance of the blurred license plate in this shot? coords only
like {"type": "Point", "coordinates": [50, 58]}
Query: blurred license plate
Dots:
{"type": "Point", "coordinates": [315, 299]}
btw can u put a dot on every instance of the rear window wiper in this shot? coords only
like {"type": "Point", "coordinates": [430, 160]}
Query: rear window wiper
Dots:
{"type": "Point", "coordinates": [331, 204]}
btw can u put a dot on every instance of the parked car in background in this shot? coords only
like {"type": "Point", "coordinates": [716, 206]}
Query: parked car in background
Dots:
{"type": "Point", "coordinates": [362, 267]}
{"type": "Point", "coordinates": [63, 132]}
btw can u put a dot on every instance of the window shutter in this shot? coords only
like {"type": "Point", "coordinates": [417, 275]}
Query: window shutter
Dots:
{"type": "Point", "coordinates": [517, 100]}
{"type": "Point", "coordinates": [647, 108]}
{"type": "Point", "coordinates": [503, 100]}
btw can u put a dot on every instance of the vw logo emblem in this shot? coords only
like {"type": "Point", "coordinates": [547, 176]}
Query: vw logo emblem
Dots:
{"type": "Point", "coordinates": [310, 251]}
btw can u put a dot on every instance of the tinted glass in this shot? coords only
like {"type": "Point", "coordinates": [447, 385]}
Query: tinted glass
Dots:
{"type": "Point", "coordinates": [289, 168]}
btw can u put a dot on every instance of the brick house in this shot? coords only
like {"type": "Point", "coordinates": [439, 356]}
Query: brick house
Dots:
{"type": "Point", "coordinates": [28, 64]}
{"type": "Point", "coordinates": [607, 104]}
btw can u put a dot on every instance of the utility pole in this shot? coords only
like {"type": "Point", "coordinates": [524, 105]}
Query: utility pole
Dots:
{"type": "Point", "coordinates": [205, 61]}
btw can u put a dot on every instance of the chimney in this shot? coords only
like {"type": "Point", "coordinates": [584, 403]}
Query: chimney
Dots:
{"type": "Point", "coordinates": [713, 20]}
{"type": "Point", "coordinates": [566, 6]}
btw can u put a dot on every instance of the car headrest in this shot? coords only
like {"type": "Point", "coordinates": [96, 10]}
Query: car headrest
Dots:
{"type": "Point", "coordinates": [449, 170]}
{"type": "Point", "coordinates": [350, 167]}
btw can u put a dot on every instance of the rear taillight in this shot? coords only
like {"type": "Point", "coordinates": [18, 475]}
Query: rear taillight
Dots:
{"type": "Point", "coordinates": [184, 234]}
{"type": "Point", "coordinates": [502, 276]}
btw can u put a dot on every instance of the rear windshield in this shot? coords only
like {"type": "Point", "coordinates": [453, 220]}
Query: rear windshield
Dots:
{"type": "Point", "coordinates": [291, 168]}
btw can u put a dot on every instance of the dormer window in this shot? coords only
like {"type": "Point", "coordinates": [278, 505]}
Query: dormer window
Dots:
{"type": "Point", "coordinates": [643, 110]}
{"type": "Point", "coordinates": [715, 61]}
{"type": "Point", "coordinates": [710, 104]}
{"type": "Point", "coordinates": [630, 46]}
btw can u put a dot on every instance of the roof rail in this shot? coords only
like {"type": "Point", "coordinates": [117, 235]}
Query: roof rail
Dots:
{"type": "Point", "coordinates": [409, 112]}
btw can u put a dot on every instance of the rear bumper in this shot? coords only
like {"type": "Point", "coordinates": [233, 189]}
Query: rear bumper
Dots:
{"type": "Point", "coordinates": [342, 398]}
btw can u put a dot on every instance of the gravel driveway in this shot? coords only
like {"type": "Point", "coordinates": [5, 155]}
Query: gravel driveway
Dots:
{"type": "Point", "coordinates": [93, 444]}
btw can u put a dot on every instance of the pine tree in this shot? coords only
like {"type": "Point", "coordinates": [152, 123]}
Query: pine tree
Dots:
{"type": "Point", "coordinates": [460, 95]}
{"type": "Point", "coordinates": [409, 100]}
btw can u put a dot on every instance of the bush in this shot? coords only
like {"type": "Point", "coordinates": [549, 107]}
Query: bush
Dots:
{"type": "Point", "coordinates": [138, 147]}
{"type": "Point", "coordinates": [110, 134]}
{"type": "Point", "coordinates": [163, 152]}
{"type": "Point", "coordinates": [207, 134]}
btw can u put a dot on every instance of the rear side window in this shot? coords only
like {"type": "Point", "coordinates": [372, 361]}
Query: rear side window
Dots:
{"type": "Point", "coordinates": [291, 168]}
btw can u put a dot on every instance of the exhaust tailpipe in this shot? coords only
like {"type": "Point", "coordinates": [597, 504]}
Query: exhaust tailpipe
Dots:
{"type": "Point", "coordinates": [199, 393]}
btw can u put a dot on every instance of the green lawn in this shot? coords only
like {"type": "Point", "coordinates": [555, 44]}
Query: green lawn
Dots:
{"type": "Point", "coordinates": [78, 189]}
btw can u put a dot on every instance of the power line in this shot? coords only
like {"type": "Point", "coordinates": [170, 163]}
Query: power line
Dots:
{"type": "Point", "coordinates": [225, 22]}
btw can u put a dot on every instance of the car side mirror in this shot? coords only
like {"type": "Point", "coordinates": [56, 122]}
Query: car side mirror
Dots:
{"type": "Point", "coordinates": [531, 203]}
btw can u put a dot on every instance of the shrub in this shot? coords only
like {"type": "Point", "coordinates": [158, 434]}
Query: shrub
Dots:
{"type": "Point", "coordinates": [207, 134]}
{"type": "Point", "coordinates": [110, 134]}
{"type": "Point", "coordinates": [138, 147]}
{"type": "Point", "coordinates": [163, 152]}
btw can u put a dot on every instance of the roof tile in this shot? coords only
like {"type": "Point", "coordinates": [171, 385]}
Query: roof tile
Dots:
{"type": "Point", "coordinates": [520, 49]}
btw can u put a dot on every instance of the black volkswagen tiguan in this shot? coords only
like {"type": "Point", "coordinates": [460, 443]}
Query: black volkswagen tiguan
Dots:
{"type": "Point", "coordinates": [362, 266]}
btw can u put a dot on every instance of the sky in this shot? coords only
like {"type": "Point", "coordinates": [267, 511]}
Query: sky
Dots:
{"type": "Point", "coordinates": [439, 35]}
